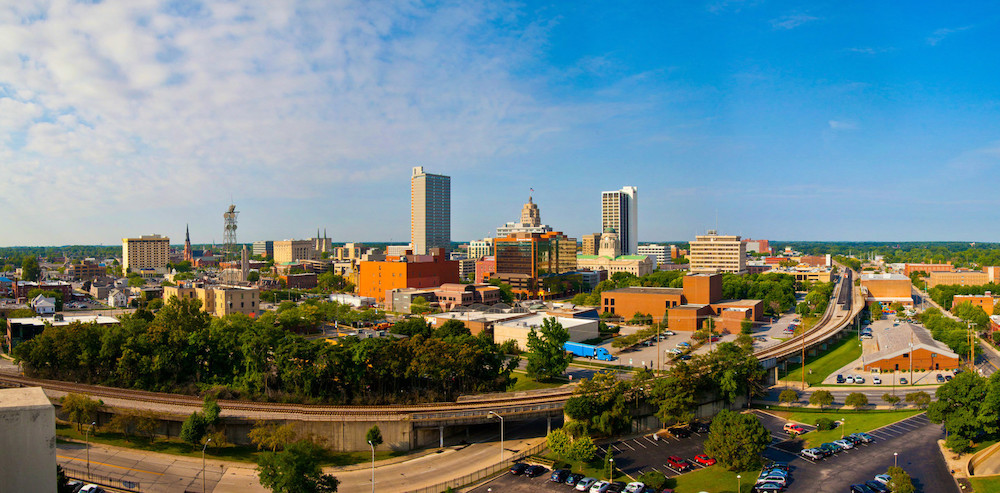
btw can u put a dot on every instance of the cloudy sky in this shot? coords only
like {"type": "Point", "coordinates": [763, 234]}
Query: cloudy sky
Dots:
{"type": "Point", "coordinates": [783, 120]}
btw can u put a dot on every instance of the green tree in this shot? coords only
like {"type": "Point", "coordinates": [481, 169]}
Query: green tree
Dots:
{"type": "Point", "coordinates": [821, 398]}
{"type": "Point", "coordinates": [194, 428]}
{"type": "Point", "coordinates": [875, 309]}
{"type": "Point", "coordinates": [788, 396]}
{"type": "Point", "coordinates": [295, 469]}
{"type": "Point", "coordinates": [452, 328]}
{"type": "Point", "coordinates": [890, 399]}
{"type": "Point", "coordinates": [746, 326]}
{"type": "Point", "coordinates": [136, 281]}
{"type": "Point", "coordinates": [559, 443]}
{"type": "Point", "coordinates": [419, 305]}
{"type": "Point", "coordinates": [547, 359]}
{"type": "Point", "coordinates": [80, 409]}
{"type": "Point", "coordinates": [374, 436]}
{"type": "Point", "coordinates": [30, 271]}
{"type": "Point", "coordinates": [253, 276]}
{"type": "Point", "coordinates": [900, 481]}
{"type": "Point", "coordinates": [857, 400]}
{"type": "Point", "coordinates": [920, 399]}
{"type": "Point", "coordinates": [609, 464]}
{"type": "Point", "coordinates": [272, 436]}
{"type": "Point", "coordinates": [506, 292]}
{"type": "Point", "coordinates": [583, 450]}
{"type": "Point", "coordinates": [654, 479]}
{"type": "Point", "coordinates": [736, 440]}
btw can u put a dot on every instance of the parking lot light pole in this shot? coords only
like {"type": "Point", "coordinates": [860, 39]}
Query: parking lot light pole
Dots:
{"type": "Point", "coordinates": [611, 460]}
{"type": "Point", "coordinates": [373, 464]}
{"type": "Point", "coordinates": [87, 437]}
{"type": "Point", "coordinates": [739, 486]}
{"type": "Point", "coordinates": [491, 413]}
{"type": "Point", "coordinates": [204, 482]}
{"type": "Point", "coordinates": [843, 424]}
{"type": "Point", "coordinates": [895, 459]}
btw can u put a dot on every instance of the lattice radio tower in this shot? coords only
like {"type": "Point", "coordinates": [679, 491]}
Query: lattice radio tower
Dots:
{"type": "Point", "coordinates": [230, 250]}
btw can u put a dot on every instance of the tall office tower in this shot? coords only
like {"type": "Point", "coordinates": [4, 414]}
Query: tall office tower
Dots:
{"type": "Point", "coordinates": [430, 211]}
{"type": "Point", "coordinates": [620, 210]}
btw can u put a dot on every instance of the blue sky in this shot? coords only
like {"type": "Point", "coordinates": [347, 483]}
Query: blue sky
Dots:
{"type": "Point", "coordinates": [780, 120]}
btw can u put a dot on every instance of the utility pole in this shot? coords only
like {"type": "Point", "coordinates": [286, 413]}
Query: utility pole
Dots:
{"type": "Point", "coordinates": [803, 336]}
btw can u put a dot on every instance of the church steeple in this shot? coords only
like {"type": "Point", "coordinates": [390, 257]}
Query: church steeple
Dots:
{"type": "Point", "coordinates": [187, 234]}
{"type": "Point", "coordinates": [188, 254]}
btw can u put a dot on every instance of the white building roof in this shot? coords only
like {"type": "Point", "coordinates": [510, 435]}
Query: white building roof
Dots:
{"type": "Point", "coordinates": [895, 341]}
{"type": "Point", "coordinates": [535, 320]}
{"type": "Point", "coordinates": [101, 319]}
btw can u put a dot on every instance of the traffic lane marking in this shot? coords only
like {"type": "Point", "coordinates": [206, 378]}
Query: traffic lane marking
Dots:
{"type": "Point", "coordinates": [109, 465]}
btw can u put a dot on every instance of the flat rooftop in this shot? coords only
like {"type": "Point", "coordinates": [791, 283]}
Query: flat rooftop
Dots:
{"type": "Point", "coordinates": [884, 277]}
{"type": "Point", "coordinates": [84, 319]}
{"type": "Point", "coordinates": [535, 320]}
{"type": "Point", "coordinates": [24, 398]}
{"type": "Point", "coordinates": [737, 303]}
{"type": "Point", "coordinates": [651, 290]}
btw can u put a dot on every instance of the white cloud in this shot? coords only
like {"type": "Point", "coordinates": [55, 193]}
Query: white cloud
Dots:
{"type": "Point", "coordinates": [842, 125]}
{"type": "Point", "coordinates": [152, 101]}
{"type": "Point", "coordinates": [940, 34]}
{"type": "Point", "coordinates": [791, 21]}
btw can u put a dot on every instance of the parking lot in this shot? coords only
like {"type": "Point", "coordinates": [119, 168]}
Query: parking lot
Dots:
{"type": "Point", "coordinates": [914, 439]}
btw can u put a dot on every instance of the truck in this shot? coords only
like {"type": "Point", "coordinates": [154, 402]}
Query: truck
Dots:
{"type": "Point", "coordinates": [588, 351]}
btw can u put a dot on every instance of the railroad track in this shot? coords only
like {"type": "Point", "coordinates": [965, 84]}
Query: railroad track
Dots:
{"type": "Point", "coordinates": [386, 411]}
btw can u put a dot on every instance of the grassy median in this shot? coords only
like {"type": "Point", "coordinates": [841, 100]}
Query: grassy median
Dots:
{"type": "Point", "coordinates": [856, 421]}
{"type": "Point", "coordinates": [822, 365]}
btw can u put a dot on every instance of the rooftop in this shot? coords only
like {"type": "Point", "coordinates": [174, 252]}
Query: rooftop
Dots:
{"type": "Point", "coordinates": [101, 319]}
{"type": "Point", "coordinates": [535, 320]}
{"type": "Point", "coordinates": [648, 290]}
{"type": "Point", "coordinates": [895, 340]}
{"type": "Point", "coordinates": [884, 277]}
{"type": "Point", "coordinates": [24, 398]}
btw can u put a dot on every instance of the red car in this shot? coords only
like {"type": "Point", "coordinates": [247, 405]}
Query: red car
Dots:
{"type": "Point", "coordinates": [704, 460]}
{"type": "Point", "coordinates": [678, 463]}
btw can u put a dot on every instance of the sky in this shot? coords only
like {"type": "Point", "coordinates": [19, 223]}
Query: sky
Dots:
{"type": "Point", "coordinates": [819, 121]}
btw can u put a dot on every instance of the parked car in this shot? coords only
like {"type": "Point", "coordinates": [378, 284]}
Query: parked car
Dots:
{"type": "Point", "coordinates": [704, 460]}
{"type": "Point", "coordinates": [860, 437]}
{"type": "Point", "coordinates": [518, 468]}
{"type": "Point", "coordinates": [877, 486]}
{"type": "Point", "coordinates": [678, 463]}
{"type": "Point", "coordinates": [616, 487]}
{"type": "Point", "coordinates": [849, 379]}
{"type": "Point", "coordinates": [903, 381]}
{"type": "Point", "coordinates": [674, 351]}
{"type": "Point", "coordinates": [585, 484]}
{"type": "Point", "coordinates": [535, 471]}
{"type": "Point", "coordinates": [767, 487]}
{"type": "Point", "coordinates": [940, 378]}
{"type": "Point", "coordinates": [74, 486]}
{"type": "Point", "coordinates": [876, 380]}
{"type": "Point", "coordinates": [92, 488]}
{"type": "Point", "coordinates": [683, 345]}
{"type": "Point", "coordinates": [573, 478]}
{"type": "Point", "coordinates": [559, 475]}
{"type": "Point", "coordinates": [861, 488]}
{"type": "Point", "coordinates": [650, 489]}
{"type": "Point", "coordinates": [634, 487]}
{"type": "Point", "coordinates": [812, 453]}
{"type": "Point", "coordinates": [794, 428]}
{"type": "Point", "coordinates": [859, 379]}
{"type": "Point", "coordinates": [840, 379]}
{"type": "Point", "coordinates": [778, 466]}
{"type": "Point", "coordinates": [844, 444]}
{"type": "Point", "coordinates": [865, 437]}
{"type": "Point", "coordinates": [883, 478]}
{"type": "Point", "coordinates": [947, 377]}
{"type": "Point", "coordinates": [678, 432]}
{"type": "Point", "coordinates": [773, 478]}
{"type": "Point", "coordinates": [600, 487]}
{"type": "Point", "coordinates": [699, 426]}
{"type": "Point", "coordinates": [829, 448]}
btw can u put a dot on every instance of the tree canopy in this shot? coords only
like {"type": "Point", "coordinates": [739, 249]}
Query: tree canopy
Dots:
{"type": "Point", "coordinates": [547, 359]}
{"type": "Point", "coordinates": [736, 440]}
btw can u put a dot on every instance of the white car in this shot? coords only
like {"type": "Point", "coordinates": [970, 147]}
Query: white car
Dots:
{"type": "Point", "coordinates": [843, 444]}
{"type": "Point", "coordinates": [811, 453]}
{"type": "Point", "coordinates": [849, 379]}
{"type": "Point", "coordinates": [668, 333]}
{"type": "Point", "coordinates": [876, 380]}
{"type": "Point", "coordinates": [859, 379]}
{"type": "Point", "coordinates": [600, 487]}
{"type": "Point", "coordinates": [883, 478]}
{"type": "Point", "coordinates": [634, 487]}
{"type": "Point", "coordinates": [674, 351]}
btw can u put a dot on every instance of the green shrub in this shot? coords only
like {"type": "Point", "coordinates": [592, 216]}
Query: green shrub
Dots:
{"type": "Point", "coordinates": [824, 424]}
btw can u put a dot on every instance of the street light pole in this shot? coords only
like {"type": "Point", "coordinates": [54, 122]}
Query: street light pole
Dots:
{"type": "Point", "coordinates": [895, 459]}
{"type": "Point", "coordinates": [611, 460]}
{"type": "Point", "coordinates": [373, 465]}
{"type": "Point", "coordinates": [843, 424]}
{"type": "Point", "coordinates": [204, 482]}
{"type": "Point", "coordinates": [739, 486]}
{"type": "Point", "coordinates": [491, 413]}
{"type": "Point", "coordinates": [87, 437]}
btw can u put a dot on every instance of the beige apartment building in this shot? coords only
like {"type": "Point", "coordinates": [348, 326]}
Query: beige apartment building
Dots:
{"type": "Point", "coordinates": [480, 248]}
{"type": "Point", "coordinates": [430, 211]}
{"type": "Point", "coordinates": [219, 301]}
{"type": "Point", "coordinates": [959, 277]}
{"type": "Point", "coordinates": [715, 253]}
{"type": "Point", "coordinates": [591, 243]}
{"type": "Point", "coordinates": [293, 250]}
{"type": "Point", "coordinates": [145, 253]}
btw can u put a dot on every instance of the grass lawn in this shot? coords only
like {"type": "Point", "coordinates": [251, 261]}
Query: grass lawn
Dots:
{"type": "Point", "coordinates": [236, 453]}
{"type": "Point", "coordinates": [855, 421]}
{"type": "Point", "coordinates": [821, 366]}
{"type": "Point", "coordinates": [715, 479]}
{"type": "Point", "coordinates": [807, 323]}
{"type": "Point", "coordinates": [989, 484]}
{"type": "Point", "coordinates": [522, 382]}
{"type": "Point", "coordinates": [594, 468]}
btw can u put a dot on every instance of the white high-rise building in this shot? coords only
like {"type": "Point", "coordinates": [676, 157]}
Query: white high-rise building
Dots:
{"type": "Point", "coordinates": [430, 211]}
{"type": "Point", "coordinates": [620, 210]}
{"type": "Point", "coordinates": [660, 253]}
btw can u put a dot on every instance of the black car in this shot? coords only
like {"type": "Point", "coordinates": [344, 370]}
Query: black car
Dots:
{"type": "Point", "coordinates": [940, 378]}
{"type": "Point", "coordinates": [649, 489]}
{"type": "Point", "coordinates": [679, 432]}
{"type": "Point", "coordinates": [518, 469]}
{"type": "Point", "coordinates": [559, 475]}
{"type": "Point", "coordinates": [777, 466]}
{"type": "Point", "coordinates": [875, 485]}
{"type": "Point", "coordinates": [903, 381]}
{"type": "Point", "coordinates": [699, 426]}
{"type": "Point", "coordinates": [573, 478]}
{"type": "Point", "coordinates": [947, 378]}
{"type": "Point", "coordinates": [840, 379]}
{"type": "Point", "coordinates": [616, 487]}
{"type": "Point", "coordinates": [861, 488]}
{"type": "Point", "coordinates": [535, 471]}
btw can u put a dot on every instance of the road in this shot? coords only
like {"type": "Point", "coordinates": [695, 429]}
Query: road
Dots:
{"type": "Point", "coordinates": [153, 472]}
{"type": "Point", "coordinates": [874, 394]}
{"type": "Point", "coordinates": [987, 359]}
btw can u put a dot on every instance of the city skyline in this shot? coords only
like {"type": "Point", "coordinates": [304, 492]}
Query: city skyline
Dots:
{"type": "Point", "coordinates": [822, 121]}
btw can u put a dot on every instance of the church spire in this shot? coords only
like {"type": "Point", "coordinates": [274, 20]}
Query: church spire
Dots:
{"type": "Point", "coordinates": [187, 233]}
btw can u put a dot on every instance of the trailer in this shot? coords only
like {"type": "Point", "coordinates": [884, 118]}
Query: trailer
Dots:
{"type": "Point", "coordinates": [588, 351]}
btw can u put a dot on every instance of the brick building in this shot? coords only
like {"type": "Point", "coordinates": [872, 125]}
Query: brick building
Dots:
{"type": "Point", "coordinates": [958, 277]}
{"type": "Point", "coordinates": [22, 288]}
{"type": "Point", "coordinates": [985, 301]}
{"type": "Point", "coordinates": [928, 268]}
{"type": "Point", "coordinates": [887, 289]}
{"type": "Point", "coordinates": [897, 348]}
{"type": "Point", "coordinates": [376, 278]}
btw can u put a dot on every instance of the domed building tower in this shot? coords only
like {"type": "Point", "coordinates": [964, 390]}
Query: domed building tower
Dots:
{"type": "Point", "coordinates": [609, 244]}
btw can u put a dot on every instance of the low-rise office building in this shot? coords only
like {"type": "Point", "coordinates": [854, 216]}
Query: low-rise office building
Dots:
{"type": "Point", "coordinates": [580, 329]}
{"type": "Point", "coordinates": [887, 289]}
{"type": "Point", "coordinates": [985, 301]}
{"type": "Point", "coordinates": [23, 329]}
{"type": "Point", "coordinates": [376, 278]}
{"type": "Point", "coordinates": [958, 277]}
{"type": "Point", "coordinates": [905, 346]}
{"type": "Point", "coordinates": [715, 253]}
